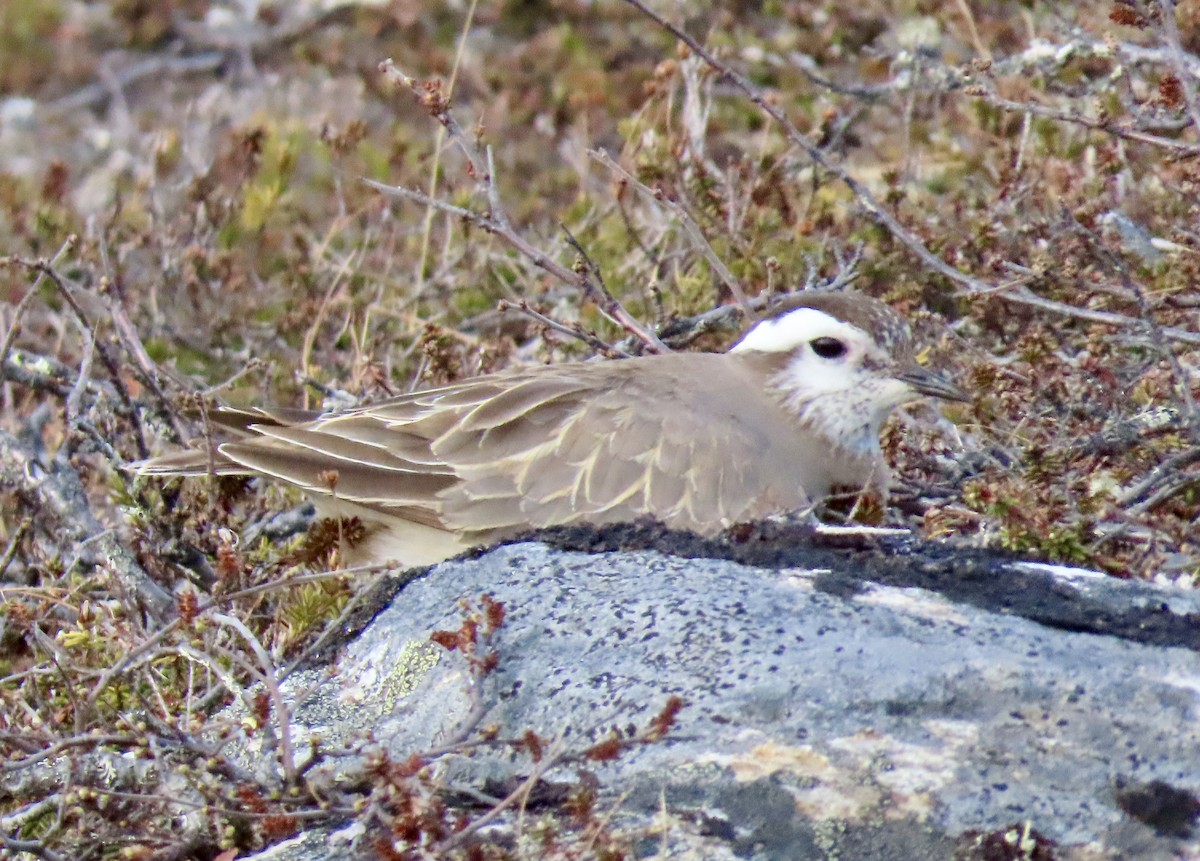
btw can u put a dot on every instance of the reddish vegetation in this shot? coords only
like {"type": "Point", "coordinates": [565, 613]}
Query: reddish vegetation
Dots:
{"type": "Point", "coordinates": [183, 221]}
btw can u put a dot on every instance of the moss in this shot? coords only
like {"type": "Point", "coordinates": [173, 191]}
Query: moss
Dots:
{"type": "Point", "coordinates": [26, 31]}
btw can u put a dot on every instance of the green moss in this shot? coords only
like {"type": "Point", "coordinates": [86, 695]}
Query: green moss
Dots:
{"type": "Point", "coordinates": [26, 44]}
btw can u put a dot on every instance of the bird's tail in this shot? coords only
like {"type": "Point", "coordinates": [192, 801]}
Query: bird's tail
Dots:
{"type": "Point", "coordinates": [210, 460]}
{"type": "Point", "coordinates": [193, 462]}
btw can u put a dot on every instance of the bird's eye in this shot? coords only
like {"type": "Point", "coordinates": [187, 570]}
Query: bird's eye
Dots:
{"type": "Point", "coordinates": [828, 348]}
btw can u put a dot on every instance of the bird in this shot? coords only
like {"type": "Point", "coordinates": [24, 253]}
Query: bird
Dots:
{"type": "Point", "coordinates": [697, 441]}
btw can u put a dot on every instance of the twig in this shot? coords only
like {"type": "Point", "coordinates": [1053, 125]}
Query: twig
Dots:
{"type": "Point", "coordinates": [49, 750]}
{"type": "Point", "coordinates": [438, 145]}
{"type": "Point", "coordinates": [1100, 125]}
{"type": "Point", "coordinates": [1170, 31]}
{"type": "Point", "coordinates": [155, 67]}
{"type": "Point", "coordinates": [572, 331]}
{"type": "Point", "coordinates": [204, 61]}
{"type": "Point", "coordinates": [1159, 339]}
{"type": "Point", "coordinates": [684, 330]}
{"type": "Point", "coordinates": [970, 284]}
{"type": "Point", "coordinates": [71, 407]}
{"type": "Point", "coordinates": [481, 167]}
{"type": "Point", "coordinates": [1174, 485]}
{"type": "Point", "coordinates": [66, 290]}
{"type": "Point", "coordinates": [864, 196]}
{"type": "Point", "coordinates": [310, 336]}
{"type": "Point", "coordinates": [144, 367]}
{"type": "Point", "coordinates": [139, 654]}
{"type": "Point", "coordinates": [591, 282]}
{"type": "Point", "coordinates": [19, 310]}
{"type": "Point", "coordinates": [965, 8]}
{"type": "Point", "coordinates": [311, 814]}
{"type": "Point", "coordinates": [14, 542]}
{"type": "Point", "coordinates": [685, 220]}
{"type": "Point", "coordinates": [38, 372]}
{"type": "Point", "coordinates": [266, 674]}
{"type": "Point", "coordinates": [518, 795]}
{"type": "Point", "coordinates": [493, 226]}
{"type": "Point", "coordinates": [57, 494]}
{"type": "Point", "coordinates": [1166, 470]}
{"type": "Point", "coordinates": [33, 847]}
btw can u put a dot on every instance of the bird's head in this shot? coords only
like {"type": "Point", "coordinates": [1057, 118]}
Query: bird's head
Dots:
{"type": "Point", "coordinates": [841, 362]}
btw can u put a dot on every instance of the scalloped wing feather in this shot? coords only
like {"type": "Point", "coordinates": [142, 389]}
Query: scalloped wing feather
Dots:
{"type": "Point", "coordinates": [626, 448]}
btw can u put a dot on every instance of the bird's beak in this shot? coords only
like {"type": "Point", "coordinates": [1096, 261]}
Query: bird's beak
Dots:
{"type": "Point", "coordinates": [925, 382]}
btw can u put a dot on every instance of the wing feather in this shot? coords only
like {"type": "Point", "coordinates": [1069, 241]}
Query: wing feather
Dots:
{"type": "Point", "coordinates": [355, 482]}
{"type": "Point", "coordinates": [529, 399]}
{"type": "Point", "coordinates": [625, 448]}
{"type": "Point", "coordinates": [341, 449]}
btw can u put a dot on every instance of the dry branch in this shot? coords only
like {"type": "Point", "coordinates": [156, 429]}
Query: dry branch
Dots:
{"type": "Point", "coordinates": [56, 492]}
{"type": "Point", "coordinates": [970, 284]}
{"type": "Point", "coordinates": [481, 167]}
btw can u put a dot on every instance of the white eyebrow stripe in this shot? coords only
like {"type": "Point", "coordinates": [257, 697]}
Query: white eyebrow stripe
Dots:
{"type": "Point", "coordinates": [789, 331]}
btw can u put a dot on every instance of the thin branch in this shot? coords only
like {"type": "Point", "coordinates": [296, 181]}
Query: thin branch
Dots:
{"type": "Point", "coordinates": [591, 282]}
{"type": "Point", "coordinates": [553, 756]}
{"type": "Point", "coordinates": [14, 542]}
{"type": "Point", "coordinates": [818, 156]}
{"type": "Point", "coordinates": [438, 147]}
{"type": "Point", "coordinates": [1101, 125]}
{"type": "Point", "coordinates": [501, 229]}
{"type": "Point", "coordinates": [1167, 471]}
{"type": "Point", "coordinates": [145, 649]}
{"type": "Point", "coordinates": [57, 493]}
{"type": "Point", "coordinates": [96, 94]}
{"type": "Point", "coordinates": [32, 847]}
{"type": "Point", "coordinates": [970, 284]}
{"type": "Point", "coordinates": [685, 220]}
{"type": "Point", "coordinates": [481, 167]}
{"type": "Point", "coordinates": [1170, 30]}
{"type": "Point", "coordinates": [19, 310]}
{"type": "Point", "coordinates": [570, 330]}
{"type": "Point", "coordinates": [267, 675]}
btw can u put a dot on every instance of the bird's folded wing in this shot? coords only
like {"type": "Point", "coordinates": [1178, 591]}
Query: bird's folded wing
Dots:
{"type": "Point", "coordinates": [542, 455]}
{"type": "Point", "coordinates": [697, 448]}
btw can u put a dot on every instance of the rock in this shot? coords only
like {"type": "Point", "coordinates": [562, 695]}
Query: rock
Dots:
{"type": "Point", "coordinates": [892, 701]}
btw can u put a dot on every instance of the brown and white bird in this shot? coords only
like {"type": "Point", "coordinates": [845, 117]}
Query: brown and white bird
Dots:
{"type": "Point", "coordinates": [699, 441]}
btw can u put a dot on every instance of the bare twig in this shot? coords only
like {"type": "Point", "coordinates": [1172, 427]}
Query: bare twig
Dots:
{"type": "Point", "coordinates": [520, 795]}
{"type": "Point", "coordinates": [570, 330]}
{"type": "Point", "coordinates": [540, 260]}
{"type": "Point", "coordinates": [685, 220]}
{"type": "Point", "coordinates": [970, 284]}
{"type": "Point", "coordinates": [146, 649]}
{"type": "Point", "coordinates": [155, 67]}
{"type": "Point", "coordinates": [1101, 125]}
{"type": "Point", "coordinates": [591, 282]}
{"type": "Point", "coordinates": [71, 407]}
{"type": "Point", "coordinates": [56, 492]}
{"type": "Point", "coordinates": [1173, 485]}
{"type": "Point", "coordinates": [14, 542]}
{"type": "Point", "coordinates": [969, 17]}
{"type": "Point", "coordinates": [438, 145]}
{"type": "Point", "coordinates": [19, 310]}
{"type": "Point", "coordinates": [38, 372]}
{"type": "Point", "coordinates": [818, 156]}
{"type": "Point", "coordinates": [267, 676]}
{"type": "Point", "coordinates": [1170, 31]}
{"type": "Point", "coordinates": [67, 291]}
{"type": "Point", "coordinates": [32, 847]}
{"type": "Point", "coordinates": [1158, 336]}
{"type": "Point", "coordinates": [481, 167]}
{"type": "Point", "coordinates": [1167, 471]}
